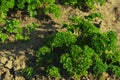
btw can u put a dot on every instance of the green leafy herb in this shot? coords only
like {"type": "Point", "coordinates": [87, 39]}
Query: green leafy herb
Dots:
{"type": "Point", "coordinates": [85, 4]}
{"type": "Point", "coordinates": [77, 54]}
{"type": "Point", "coordinates": [53, 71]}
{"type": "Point", "coordinates": [78, 60]}
{"type": "Point", "coordinates": [28, 72]}
{"type": "Point", "coordinates": [98, 66]}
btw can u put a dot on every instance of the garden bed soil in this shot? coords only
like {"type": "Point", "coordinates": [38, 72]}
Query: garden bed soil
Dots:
{"type": "Point", "coordinates": [16, 55]}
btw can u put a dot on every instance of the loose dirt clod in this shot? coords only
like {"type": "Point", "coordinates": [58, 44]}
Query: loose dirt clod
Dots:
{"type": "Point", "coordinates": [9, 64]}
{"type": "Point", "coordinates": [3, 60]}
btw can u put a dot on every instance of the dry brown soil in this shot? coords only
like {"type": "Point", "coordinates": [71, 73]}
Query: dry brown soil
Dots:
{"type": "Point", "coordinates": [14, 56]}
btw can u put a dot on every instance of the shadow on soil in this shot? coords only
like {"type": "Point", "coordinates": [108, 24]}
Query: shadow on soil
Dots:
{"type": "Point", "coordinates": [36, 40]}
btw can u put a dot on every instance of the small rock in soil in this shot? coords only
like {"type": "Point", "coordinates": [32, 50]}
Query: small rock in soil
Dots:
{"type": "Point", "coordinates": [19, 78]}
{"type": "Point", "coordinates": [104, 76]}
{"type": "Point", "coordinates": [9, 64]}
{"type": "Point", "coordinates": [3, 60]}
{"type": "Point", "coordinates": [12, 38]}
{"type": "Point", "coordinates": [7, 75]}
{"type": "Point", "coordinates": [19, 63]}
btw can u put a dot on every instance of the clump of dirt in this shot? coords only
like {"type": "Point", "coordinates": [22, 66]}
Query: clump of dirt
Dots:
{"type": "Point", "coordinates": [14, 56]}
